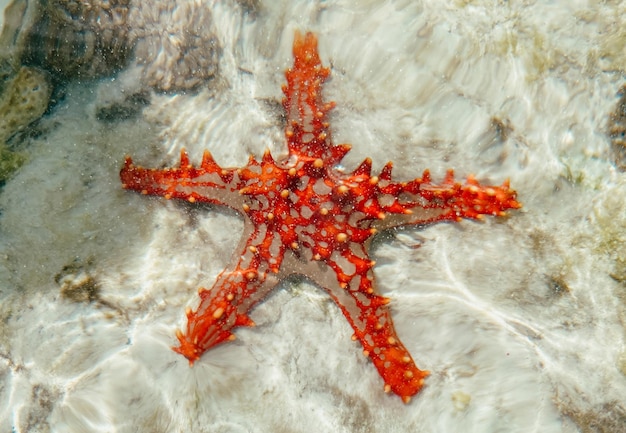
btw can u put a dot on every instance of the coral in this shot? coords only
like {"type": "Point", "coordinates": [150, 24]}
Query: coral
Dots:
{"type": "Point", "coordinates": [25, 98]}
{"type": "Point", "coordinates": [78, 38]}
{"type": "Point", "coordinates": [175, 44]}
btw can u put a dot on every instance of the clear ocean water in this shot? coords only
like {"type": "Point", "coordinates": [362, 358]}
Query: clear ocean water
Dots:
{"type": "Point", "coordinates": [520, 319]}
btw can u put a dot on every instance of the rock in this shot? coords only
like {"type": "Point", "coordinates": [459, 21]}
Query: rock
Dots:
{"type": "Point", "coordinates": [24, 99]}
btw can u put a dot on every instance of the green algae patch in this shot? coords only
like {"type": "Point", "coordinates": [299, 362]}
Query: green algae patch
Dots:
{"type": "Point", "coordinates": [10, 162]}
{"type": "Point", "coordinates": [24, 99]}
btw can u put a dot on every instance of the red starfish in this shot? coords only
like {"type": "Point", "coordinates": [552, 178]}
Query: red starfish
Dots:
{"type": "Point", "coordinates": [305, 216]}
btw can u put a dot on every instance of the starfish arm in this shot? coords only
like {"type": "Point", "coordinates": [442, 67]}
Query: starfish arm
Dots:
{"type": "Point", "coordinates": [307, 130]}
{"type": "Point", "coordinates": [367, 313]}
{"type": "Point", "coordinates": [208, 183]}
{"type": "Point", "coordinates": [468, 200]}
{"type": "Point", "coordinates": [370, 319]}
{"type": "Point", "coordinates": [421, 201]}
{"type": "Point", "coordinates": [228, 303]}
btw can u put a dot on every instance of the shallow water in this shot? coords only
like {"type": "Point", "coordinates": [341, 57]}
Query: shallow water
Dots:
{"type": "Point", "coordinates": [520, 320]}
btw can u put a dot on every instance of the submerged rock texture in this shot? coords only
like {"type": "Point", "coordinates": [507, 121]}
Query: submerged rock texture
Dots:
{"type": "Point", "coordinates": [173, 42]}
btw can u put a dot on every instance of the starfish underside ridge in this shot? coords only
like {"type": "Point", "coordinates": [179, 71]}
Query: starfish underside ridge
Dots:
{"type": "Point", "coordinates": [304, 216]}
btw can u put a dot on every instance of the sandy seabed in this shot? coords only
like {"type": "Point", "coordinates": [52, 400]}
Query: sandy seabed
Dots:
{"type": "Point", "coordinates": [520, 320]}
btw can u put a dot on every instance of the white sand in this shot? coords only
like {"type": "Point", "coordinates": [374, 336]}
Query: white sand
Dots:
{"type": "Point", "coordinates": [518, 319]}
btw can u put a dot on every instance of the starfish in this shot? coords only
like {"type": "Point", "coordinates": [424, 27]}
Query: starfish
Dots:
{"type": "Point", "coordinates": [304, 215]}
